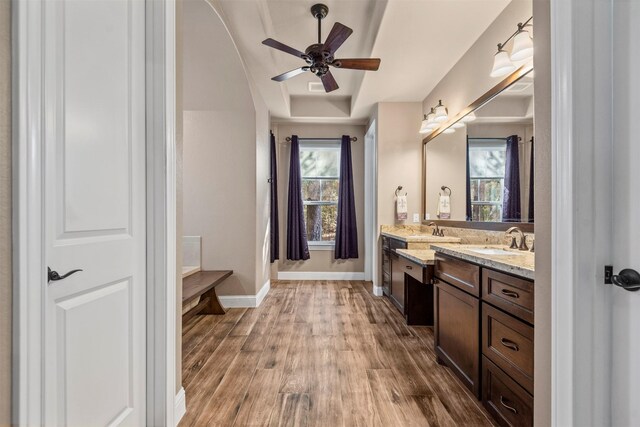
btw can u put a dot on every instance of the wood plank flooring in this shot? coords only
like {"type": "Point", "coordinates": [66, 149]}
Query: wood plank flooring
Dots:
{"type": "Point", "coordinates": [319, 353]}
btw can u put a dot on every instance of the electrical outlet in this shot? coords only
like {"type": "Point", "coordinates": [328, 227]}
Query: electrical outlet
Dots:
{"type": "Point", "coordinates": [416, 217]}
{"type": "Point", "coordinates": [427, 217]}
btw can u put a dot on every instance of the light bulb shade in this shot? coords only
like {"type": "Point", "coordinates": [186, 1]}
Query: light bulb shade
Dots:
{"type": "Point", "coordinates": [449, 131]}
{"type": "Point", "coordinates": [424, 128]}
{"type": "Point", "coordinates": [502, 64]}
{"type": "Point", "coordinates": [469, 117]}
{"type": "Point", "coordinates": [522, 47]}
{"type": "Point", "coordinates": [458, 125]}
{"type": "Point", "coordinates": [440, 113]}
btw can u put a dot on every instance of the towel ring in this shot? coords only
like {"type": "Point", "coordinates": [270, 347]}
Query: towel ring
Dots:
{"type": "Point", "coordinates": [445, 188]}
{"type": "Point", "coordinates": [399, 189]}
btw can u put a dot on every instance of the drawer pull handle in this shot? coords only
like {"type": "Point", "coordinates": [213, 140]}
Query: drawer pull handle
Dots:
{"type": "Point", "coordinates": [408, 267]}
{"type": "Point", "coordinates": [509, 344]}
{"type": "Point", "coordinates": [511, 408]}
{"type": "Point", "coordinates": [510, 293]}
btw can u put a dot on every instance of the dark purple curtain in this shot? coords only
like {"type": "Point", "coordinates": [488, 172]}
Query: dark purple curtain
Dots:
{"type": "Point", "coordinates": [511, 211]}
{"type": "Point", "coordinates": [297, 248]}
{"type": "Point", "coordinates": [531, 182]}
{"type": "Point", "coordinates": [469, 212]}
{"type": "Point", "coordinates": [346, 229]}
{"type": "Point", "coordinates": [275, 229]}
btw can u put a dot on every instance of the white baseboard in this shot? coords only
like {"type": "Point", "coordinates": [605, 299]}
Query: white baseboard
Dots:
{"type": "Point", "coordinates": [320, 275]}
{"type": "Point", "coordinates": [180, 405]}
{"type": "Point", "coordinates": [377, 291]}
{"type": "Point", "coordinates": [245, 301]}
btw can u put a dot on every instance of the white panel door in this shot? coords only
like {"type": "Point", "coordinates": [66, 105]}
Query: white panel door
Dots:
{"type": "Point", "coordinates": [94, 168]}
{"type": "Point", "coordinates": [625, 348]}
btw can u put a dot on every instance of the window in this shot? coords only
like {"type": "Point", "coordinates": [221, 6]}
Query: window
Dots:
{"type": "Point", "coordinates": [320, 169]}
{"type": "Point", "coordinates": [487, 157]}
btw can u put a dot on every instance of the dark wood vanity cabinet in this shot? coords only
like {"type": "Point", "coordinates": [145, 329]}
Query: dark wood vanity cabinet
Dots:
{"type": "Point", "coordinates": [407, 284]}
{"type": "Point", "coordinates": [484, 331]}
{"type": "Point", "coordinates": [456, 333]}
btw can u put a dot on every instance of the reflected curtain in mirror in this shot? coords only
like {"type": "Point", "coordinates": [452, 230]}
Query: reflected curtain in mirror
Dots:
{"type": "Point", "coordinates": [346, 245]}
{"type": "Point", "coordinates": [273, 179]}
{"type": "Point", "coordinates": [511, 208]}
{"type": "Point", "coordinates": [297, 247]}
{"type": "Point", "coordinates": [469, 209]}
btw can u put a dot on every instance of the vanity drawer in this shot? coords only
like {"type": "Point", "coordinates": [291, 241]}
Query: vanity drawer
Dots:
{"type": "Point", "coordinates": [461, 274]}
{"type": "Point", "coordinates": [412, 269]}
{"type": "Point", "coordinates": [509, 403]}
{"type": "Point", "coordinates": [508, 342]}
{"type": "Point", "coordinates": [512, 294]}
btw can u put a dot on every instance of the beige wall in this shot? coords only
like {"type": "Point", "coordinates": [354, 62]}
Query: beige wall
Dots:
{"type": "Point", "coordinates": [399, 158]}
{"type": "Point", "coordinates": [469, 78]}
{"type": "Point", "coordinates": [446, 164]}
{"type": "Point", "coordinates": [542, 356]}
{"type": "Point", "coordinates": [5, 213]}
{"type": "Point", "coordinates": [225, 154]}
{"type": "Point", "coordinates": [321, 261]}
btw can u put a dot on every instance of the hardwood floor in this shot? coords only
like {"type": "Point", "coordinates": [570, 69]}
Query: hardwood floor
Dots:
{"type": "Point", "coordinates": [319, 353]}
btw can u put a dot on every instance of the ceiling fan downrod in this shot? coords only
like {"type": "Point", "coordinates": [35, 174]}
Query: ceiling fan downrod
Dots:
{"type": "Point", "coordinates": [319, 11]}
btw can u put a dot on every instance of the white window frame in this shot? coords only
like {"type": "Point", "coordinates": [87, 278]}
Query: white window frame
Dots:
{"type": "Point", "coordinates": [320, 144]}
{"type": "Point", "coordinates": [490, 143]}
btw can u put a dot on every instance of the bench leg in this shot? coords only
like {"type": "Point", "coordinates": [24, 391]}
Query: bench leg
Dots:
{"type": "Point", "coordinates": [214, 306]}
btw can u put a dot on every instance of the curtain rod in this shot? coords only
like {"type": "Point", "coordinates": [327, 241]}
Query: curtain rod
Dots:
{"type": "Point", "coordinates": [288, 139]}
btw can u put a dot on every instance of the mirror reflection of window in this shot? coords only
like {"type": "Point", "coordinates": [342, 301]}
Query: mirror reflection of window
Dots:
{"type": "Point", "coordinates": [486, 177]}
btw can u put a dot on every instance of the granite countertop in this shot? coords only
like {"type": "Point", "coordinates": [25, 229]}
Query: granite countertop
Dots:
{"type": "Point", "coordinates": [411, 236]}
{"type": "Point", "coordinates": [521, 263]}
{"type": "Point", "coordinates": [423, 257]}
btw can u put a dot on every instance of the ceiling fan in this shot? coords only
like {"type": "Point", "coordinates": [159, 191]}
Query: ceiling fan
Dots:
{"type": "Point", "coordinates": [319, 56]}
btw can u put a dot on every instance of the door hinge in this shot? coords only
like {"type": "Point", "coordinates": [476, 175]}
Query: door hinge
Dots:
{"type": "Point", "coordinates": [608, 274]}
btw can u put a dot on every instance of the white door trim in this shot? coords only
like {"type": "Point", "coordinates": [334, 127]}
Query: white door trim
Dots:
{"type": "Point", "coordinates": [29, 262]}
{"type": "Point", "coordinates": [371, 217]}
{"type": "Point", "coordinates": [581, 205]}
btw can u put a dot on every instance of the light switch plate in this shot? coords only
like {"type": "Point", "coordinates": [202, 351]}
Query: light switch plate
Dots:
{"type": "Point", "coordinates": [427, 217]}
{"type": "Point", "coordinates": [416, 217]}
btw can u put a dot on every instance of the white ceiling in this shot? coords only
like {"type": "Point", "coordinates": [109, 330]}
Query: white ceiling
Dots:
{"type": "Point", "coordinates": [418, 41]}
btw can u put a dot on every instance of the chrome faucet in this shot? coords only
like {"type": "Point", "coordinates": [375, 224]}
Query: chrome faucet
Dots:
{"type": "Point", "coordinates": [523, 240]}
{"type": "Point", "coordinates": [436, 230]}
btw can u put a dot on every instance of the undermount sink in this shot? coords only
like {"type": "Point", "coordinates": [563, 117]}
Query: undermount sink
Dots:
{"type": "Point", "coordinates": [494, 251]}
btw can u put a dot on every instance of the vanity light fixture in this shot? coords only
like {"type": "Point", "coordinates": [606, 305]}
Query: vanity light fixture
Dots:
{"type": "Point", "coordinates": [441, 113]}
{"type": "Point", "coordinates": [449, 130]}
{"type": "Point", "coordinates": [502, 64]}
{"type": "Point", "coordinates": [457, 125]}
{"type": "Point", "coordinates": [522, 45]}
{"type": "Point", "coordinates": [522, 51]}
{"type": "Point", "coordinates": [424, 127]}
{"type": "Point", "coordinates": [429, 124]}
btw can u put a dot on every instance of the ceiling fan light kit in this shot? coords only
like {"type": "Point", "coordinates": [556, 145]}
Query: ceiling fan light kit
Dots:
{"type": "Point", "coordinates": [320, 56]}
{"type": "Point", "coordinates": [521, 51]}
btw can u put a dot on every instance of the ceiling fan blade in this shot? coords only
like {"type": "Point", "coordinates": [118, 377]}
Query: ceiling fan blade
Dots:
{"type": "Point", "coordinates": [283, 47]}
{"type": "Point", "coordinates": [329, 82]}
{"type": "Point", "coordinates": [369, 64]}
{"type": "Point", "coordinates": [289, 74]}
{"type": "Point", "coordinates": [339, 33]}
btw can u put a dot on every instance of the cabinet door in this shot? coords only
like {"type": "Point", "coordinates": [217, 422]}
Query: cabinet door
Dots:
{"type": "Point", "coordinates": [397, 283]}
{"type": "Point", "coordinates": [386, 272]}
{"type": "Point", "coordinates": [457, 333]}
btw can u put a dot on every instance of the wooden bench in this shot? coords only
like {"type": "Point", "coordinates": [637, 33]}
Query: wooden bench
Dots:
{"type": "Point", "coordinates": [203, 285]}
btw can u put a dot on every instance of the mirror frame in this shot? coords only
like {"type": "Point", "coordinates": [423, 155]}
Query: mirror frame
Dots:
{"type": "Point", "coordinates": [488, 96]}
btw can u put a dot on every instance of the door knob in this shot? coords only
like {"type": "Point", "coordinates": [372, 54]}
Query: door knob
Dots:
{"type": "Point", "coordinates": [628, 279]}
{"type": "Point", "coordinates": [54, 276]}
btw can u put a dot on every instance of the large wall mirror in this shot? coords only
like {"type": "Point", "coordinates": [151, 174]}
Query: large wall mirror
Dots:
{"type": "Point", "coordinates": [479, 166]}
